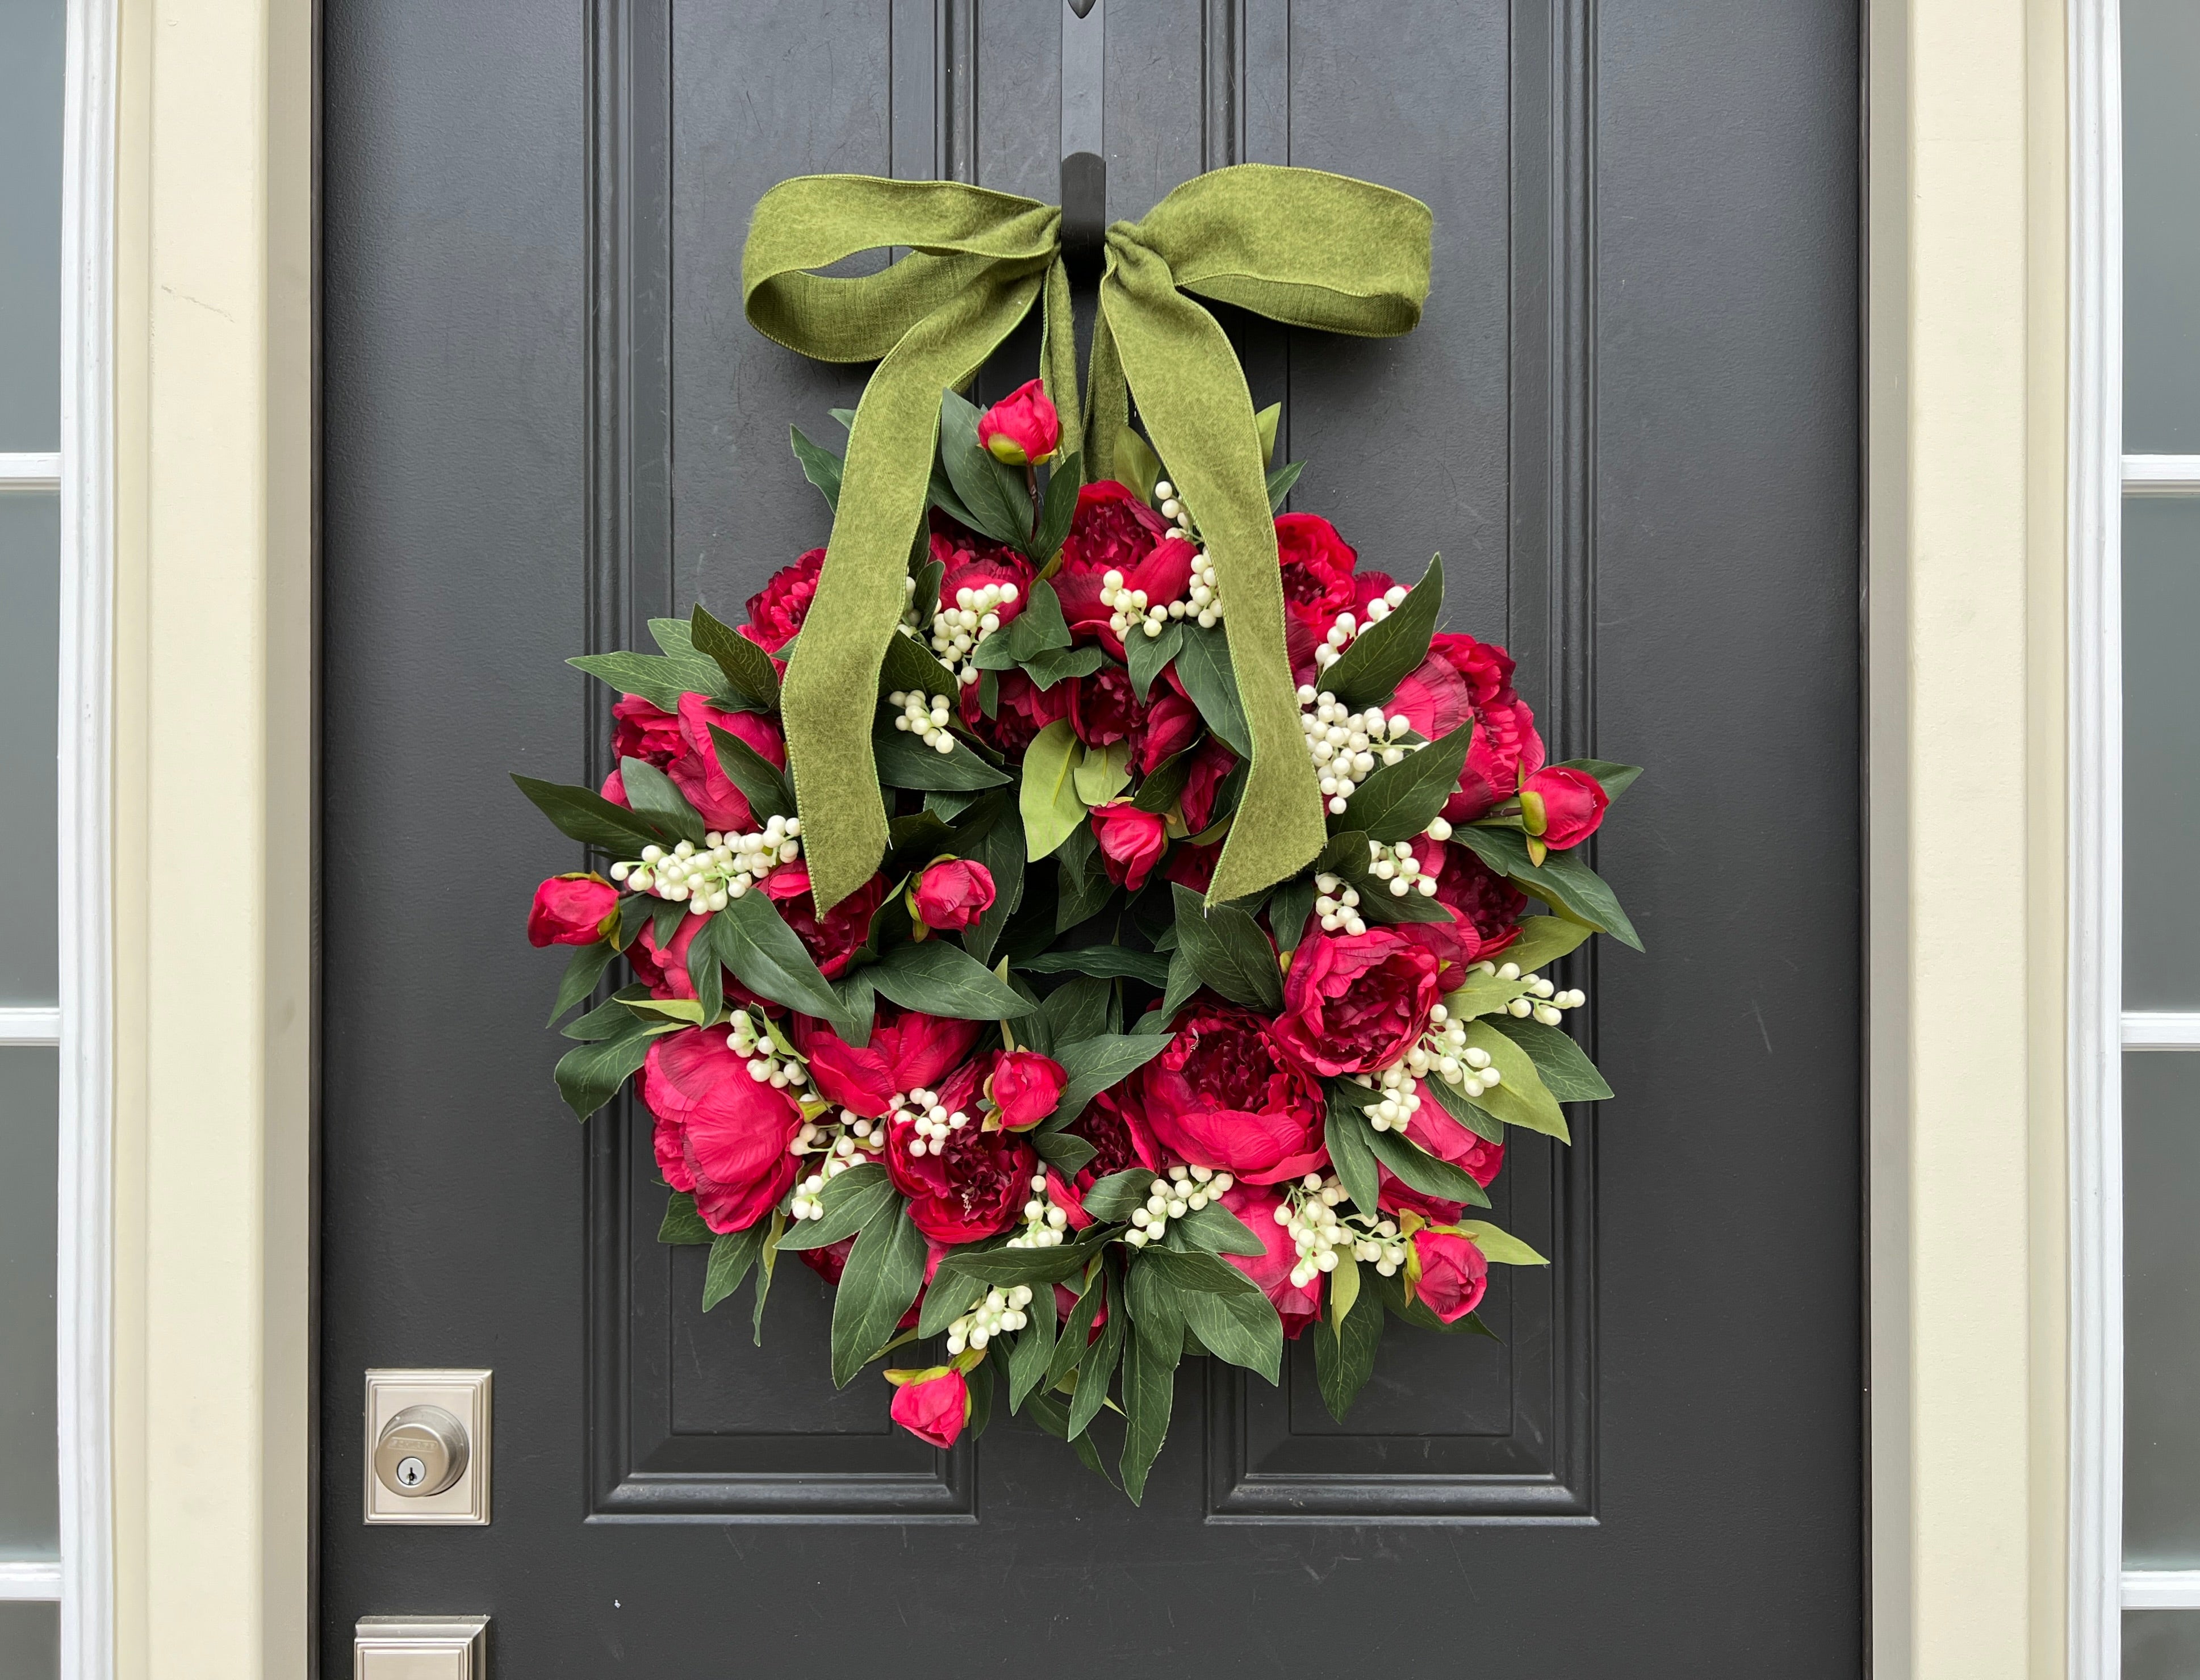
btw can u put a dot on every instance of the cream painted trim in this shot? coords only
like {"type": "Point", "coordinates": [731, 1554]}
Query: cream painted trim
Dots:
{"type": "Point", "coordinates": [1968, 1288]}
{"type": "Point", "coordinates": [214, 830]}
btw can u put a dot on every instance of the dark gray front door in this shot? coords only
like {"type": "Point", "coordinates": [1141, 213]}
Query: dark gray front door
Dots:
{"type": "Point", "coordinates": [1628, 421]}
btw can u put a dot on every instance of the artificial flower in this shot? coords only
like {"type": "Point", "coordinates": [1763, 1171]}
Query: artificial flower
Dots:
{"type": "Point", "coordinates": [1356, 1003]}
{"type": "Point", "coordinates": [720, 1133]}
{"type": "Point", "coordinates": [952, 894]}
{"type": "Point", "coordinates": [573, 909]}
{"type": "Point", "coordinates": [1022, 427]}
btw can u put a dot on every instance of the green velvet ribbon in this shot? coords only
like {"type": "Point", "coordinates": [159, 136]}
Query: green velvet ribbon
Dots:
{"type": "Point", "coordinates": [1298, 245]}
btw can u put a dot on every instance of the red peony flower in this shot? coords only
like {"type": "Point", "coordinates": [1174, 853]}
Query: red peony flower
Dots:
{"type": "Point", "coordinates": [951, 895]}
{"type": "Point", "coordinates": [1318, 567]}
{"type": "Point", "coordinates": [1165, 574]}
{"type": "Point", "coordinates": [663, 969]}
{"type": "Point", "coordinates": [830, 940]}
{"type": "Point", "coordinates": [1131, 842]}
{"type": "Point", "coordinates": [1102, 709]}
{"type": "Point", "coordinates": [1562, 807]}
{"type": "Point", "coordinates": [642, 730]}
{"type": "Point", "coordinates": [1354, 1003]}
{"type": "Point", "coordinates": [1192, 867]}
{"type": "Point", "coordinates": [969, 561]}
{"type": "Point", "coordinates": [1121, 1140]}
{"type": "Point", "coordinates": [1022, 427]}
{"type": "Point", "coordinates": [1447, 1273]}
{"type": "Point", "coordinates": [1204, 785]}
{"type": "Point", "coordinates": [1505, 741]}
{"type": "Point", "coordinates": [1022, 709]}
{"type": "Point", "coordinates": [908, 1051]}
{"type": "Point", "coordinates": [777, 610]}
{"type": "Point", "coordinates": [977, 1183]}
{"type": "Point", "coordinates": [1224, 1095]}
{"type": "Point", "coordinates": [696, 772]}
{"type": "Point", "coordinates": [1172, 723]}
{"type": "Point", "coordinates": [1433, 698]}
{"type": "Point", "coordinates": [720, 1133]}
{"type": "Point", "coordinates": [1489, 907]}
{"type": "Point", "coordinates": [935, 1409]}
{"type": "Point", "coordinates": [1024, 1087]}
{"type": "Point", "coordinates": [1112, 530]}
{"type": "Point", "coordinates": [573, 909]}
{"type": "Point", "coordinates": [1298, 1305]}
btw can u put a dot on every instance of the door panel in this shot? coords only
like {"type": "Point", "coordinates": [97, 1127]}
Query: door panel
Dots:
{"type": "Point", "coordinates": [1628, 421]}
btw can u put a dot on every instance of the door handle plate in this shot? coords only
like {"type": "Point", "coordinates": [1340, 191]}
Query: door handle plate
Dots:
{"type": "Point", "coordinates": [421, 1647]}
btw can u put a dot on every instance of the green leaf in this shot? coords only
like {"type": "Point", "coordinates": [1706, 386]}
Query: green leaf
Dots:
{"type": "Point", "coordinates": [1060, 507]}
{"type": "Point", "coordinates": [650, 792]}
{"type": "Point", "coordinates": [581, 973]}
{"type": "Point", "coordinates": [1265, 423]}
{"type": "Point", "coordinates": [683, 1224]}
{"type": "Point", "coordinates": [1202, 665]}
{"type": "Point", "coordinates": [607, 1020]}
{"type": "Point", "coordinates": [1229, 951]}
{"type": "Point", "coordinates": [1218, 1231]}
{"type": "Point", "coordinates": [822, 467]}
{"type": "Point", "coordinates": [731, 1256]}
{"type": "Point", "coordinates": [1195, 1271]}
{"type": "Point", "coordinates": [860, 1002]}
{"type": "Point", "coordinates": [1109, 962]}
{"type": "Point", "coordinates": [1066, 1152]}
{"type": "Point", "coordinates": [852, 1201]}
{"type": "Point", "coordinates": [1048, 797]}
{"type": "Point", "coordinates": [584, 815]}
{"type": "Point", "coordinates": [1109, 1200]}
{"type": "Point", "coordinates": [1098, 1064]}
{"type": "Point", "coordinates": [1347, 1135]}
{"type": "Point", "coordinates": [1070, 1346]}
{"type": "Point", "coordinates": [1280, 482]}
{"type": "Point", "coordinates": [660, 678]}
{"type": "Point", "coordinates": [885, 1270]}
{"type": "Point", "coordinates": [707, 976]}
{"type": "Point", "coordinates": [1160, 790]}
{"type": "Point", "coordinates": [1075, 1010]}
{"type": "Point", "coordinates": [980, 1384]}
{"type": "Point", "coordinates": [999, 503]}
{"type": "Point", "coordinates": [1498, 1248]}
{"type": "Point", "coordinates": [1423, 1172]}
{"type": "Point", "coordinates": [1343, 1290]}
{"type": "Point", "coordinates": [948, 806]}
{"type": "Point", "coordinates": [747, 669]}
{"type": "Point", "coordinates": [762, 783]}
{"type": "Point", "coordinates": [1456, 1103]}
{"type": "Point", "coordinates": [1519, 1097]}
{"type": "Point", "coordinates": [1567, 1074]}
{"type": "Point", "coordinates": [1483, 994]}
{"type": "Point", "coordinates": [908, 664]}
{"type": "Point", "coordinates": [1399, 801]}
{"type": "Point", "coordinates": [952, 1293]}
{"type": "Point", "coordinates": [1543, 940]}
{"type": "Point", "coordinates": [1344, 1360]}
{"type": "Point", "coordinates": [752, 939]}
{"type": "Point", "coordinates": [1039, 628]}
{"type": "Point", "coordinates": [1148, 1374]}
{"type": "Point", "coordinates": [1000, 848]}
{"type": "Point", "coordinates": [1614, 779]}
{"type": "Point", "coordinates": [767, 1264]}
{"type": "Point", "coordinates": [1145, 656]}
{"type": "Point", "coordinates": [1082, 873]}
{"type": "Point", "coordinates": [1287, 910]}
{"type": "Point", "coordinates": [1135, 456]}
{"type": "Point", "coordinates": [1183, 981]}
{"type": "Point", "coordinates": [1098, 1367]}
{"type": "Point", "coordinates": [1381, 655]}
{"type": "Point", "coordinates": [1034, 1348]}
{"type": "Point", "coordinates": [1050, 665]}
{"type": "Point", "coordinates": [904, 761]}
{"type": "Point", "coordinates": [1103, 773]}
{"type": "Point", "coordinates": [1564, 882]}
{"type": "Point", "coordinates": [589, 1076]}
{"type": "Point", "coordinates": [940, 979]}
{"type": "Point", "coordinates": [1239, 1326]}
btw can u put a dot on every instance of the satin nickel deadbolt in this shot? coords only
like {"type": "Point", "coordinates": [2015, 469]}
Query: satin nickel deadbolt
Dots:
{"type": "Point", "coordinates": [427, 1447]}
{"type": "Point", "coordinates": [422, 1451]}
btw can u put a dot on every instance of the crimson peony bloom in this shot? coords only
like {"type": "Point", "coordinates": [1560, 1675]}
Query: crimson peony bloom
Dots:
{"type": "Point", "coordinates": [1318, 567]}
{"type": "Point", "coordinates": [1298, 1305]}
{"type": "Point", "coordinates": [1132, 841]}
{"type": "Point", "coordinates": [935, 1408]}
{"type": "Point", "coordinates": [1102, 709]}
{"type": "Point", "coordinates": [951, 895]}
{"type": "Point", "coordinates": [641, 731]}
{"type": "Point", "coordinates": [832, 939]}
{"type": "Point", "coordinates": [1448, 1273]}
{"type": "Point", "coordinates": [908, 1051]}
{"type": "Point", "coordinates": [1025, 1086]}
{"type": "Point", "coordinates": [1113, 530]}
{"type": "Point", "coordinates": [1505, 742]}
{"type": "Point", "coordinates": [573, 909]}
{"type": "Point", "coordinates": [1021, 710]}
{"type": "Point", "coordinates": [1022, 427]}
{"type": "Point", "coordinates": [720, 1133]}
{"type": "Point", "coordinates": [1355, 1003]}
{"type": "Point", "coordinates": [696, 772]}
{"type": "Point", "coordinates": [663, 969]}
{"type": "Point", "coordinates": [1224, 1095]}
{"type": "Point", "coordinates": [777, 610]}
{"type": "Point", "coordinates": [977, 1183]}
{"type": "Point", "coordinates": [1562, 807]}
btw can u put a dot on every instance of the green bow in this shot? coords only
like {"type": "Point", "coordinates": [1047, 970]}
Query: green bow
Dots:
{"type": "Point", "coordinates": [1298, 245]}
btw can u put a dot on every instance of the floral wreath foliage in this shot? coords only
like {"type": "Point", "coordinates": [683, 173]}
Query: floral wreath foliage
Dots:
{"type": "Point", "coordinates": [1025, 1088]}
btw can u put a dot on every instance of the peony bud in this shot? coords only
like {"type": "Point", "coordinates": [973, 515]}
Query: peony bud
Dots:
{"type": "Point", "coordinates": [1562, 807]}
{"type": "Point", "coordinates": [1021, 428]}
{"type": "Point", "coordinates": [1132, 841]}
{"type": "Point", "coordinates": [1445, 1272]}
{"type": "Point", "coordinates": [952, 894]}
{"type": "Point", "coordinates": [932, 1405]}
{"type": "Point", "coordinates": [1025, 1086]}
{"type": "Point", "coordinates": [573, 909]}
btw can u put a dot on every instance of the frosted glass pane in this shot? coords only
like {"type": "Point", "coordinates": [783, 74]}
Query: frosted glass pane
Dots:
{"type": "Point", "coordinates": [2162, 753]}
{"type": "Point", "coordinates": [29, 676]}
{"type": "Point", "coordinates": [2162, 227]}
{"type": "Point", "coordinates": [30, 225]}
{"type": "Point", "coordinates": [30, 1641]}
{"type": "Point", "coordinates": [2161, 1310]}
{"type": "Point", "coordinates": [2162, 1644]}
{"type": "Point", "coordinates": [29, 1108]}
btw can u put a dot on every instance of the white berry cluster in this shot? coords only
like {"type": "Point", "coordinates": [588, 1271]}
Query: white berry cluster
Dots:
{"type": "Point", "coordinates": [722, 868]}
{"type": "Point", "coordinates": [1044, 1223]}
{"type": "Point", "coordinates": [1544, 1001]}
{"type": "Point", "coordinates": [1346, 746]}
{"type": "Point", "coordinates": [1400, 1101]}
{"type": "Point", "coordinates": [925, 718]}
{"type": "Point", "coordinates": [1309, 1217]}
{"type": "Point", "coordinates": [923, 1111]}
{"type": "Point", "coordinates": [1337, 903]}
{"type": "Point", "coordinates": [1185, 1190]}
{"type": "Point", "coordinates": [1341, 634]}
{"type": "Point", "coordinates": [1399, 866]}
{"type": "Point", "coordinates": [847, 1141]}
{"type": "Point", "coordinates": [1201, 602]}
{"type": "Point", "coordinates": [1002, 1309]}
{"type": "Point", "coordinates": [772, 1060]}
{"type": "Point", "coordinates": [956, 631]}
{"type": "Point", "coordinates": [1442, 1052]}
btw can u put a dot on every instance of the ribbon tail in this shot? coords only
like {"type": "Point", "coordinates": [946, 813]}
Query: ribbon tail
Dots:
{"type": "Point", "coordinates": [1058, 354]}
{"type": "Point", "coordinates": [1107, 402]}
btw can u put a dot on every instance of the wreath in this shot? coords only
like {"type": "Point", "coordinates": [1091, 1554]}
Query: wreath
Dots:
{"type": "Point", "coordinates": [1154, 969]}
